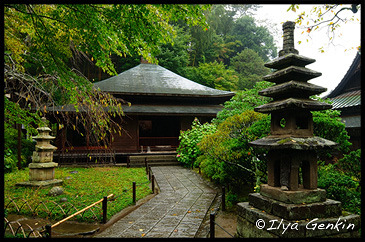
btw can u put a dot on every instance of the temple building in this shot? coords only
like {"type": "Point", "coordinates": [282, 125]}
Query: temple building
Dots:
{"type": "Point", "coordinates": [346, 97]}
{"type": "Point", "coordinates": [162, 104]}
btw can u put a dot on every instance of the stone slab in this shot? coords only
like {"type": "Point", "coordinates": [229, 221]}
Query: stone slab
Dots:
{"type": "Point", "coordinates": [289, 60]}
{"type": "Point", "coordinates": [253, 222]}
{"type": "Point", "coordinates": [292, 103]}
{"type": "Point", "coordinates": [328, 208]}
{"type": "Point", "coordinates": [291, 142]}
{"type": "Point", "coordinates": [42, 165]}
{"type": "Point", "coordinates": [46, 183]}
{"type": "Point", "coordinates": [293, 197]}
{"type": "Point", "coordinates": [292, 73]}
{"type": "Point", "coordinates": [292, 88]}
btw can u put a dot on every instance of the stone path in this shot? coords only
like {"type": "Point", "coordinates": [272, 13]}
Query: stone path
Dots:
{"type": "Point", "coordinates": [177, 211]}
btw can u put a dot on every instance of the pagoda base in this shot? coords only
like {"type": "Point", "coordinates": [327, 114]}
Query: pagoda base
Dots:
{"type": "Point", "coordinates": [263, 217]}
{"type": "Point", "coordinates": [45, 183]}
{"type": "Point", "coordinates": [297, 197]}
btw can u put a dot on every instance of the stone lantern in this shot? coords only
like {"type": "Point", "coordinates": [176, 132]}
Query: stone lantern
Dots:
{"type": "Point", "coordinates": [42, 168]}
{"type": "Point", "coordinates": [292, 148]}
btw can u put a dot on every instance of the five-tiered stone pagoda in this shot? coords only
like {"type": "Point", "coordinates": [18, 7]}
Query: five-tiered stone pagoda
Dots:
{"type": "Point", "coordinates": [291, 197]}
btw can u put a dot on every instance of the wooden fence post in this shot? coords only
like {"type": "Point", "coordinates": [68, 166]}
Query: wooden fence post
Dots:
{"type": "Point", "coordinates": [19, 147]}
{"type": "Point", "coordinates": [134, 192]}
{"type": "Point", "coordinates": [212, 225]}
{"type": "Point", "coordinates": [104, 206]}
{"type": "Point", "coordinates": [48, 231]}
{"type": "Point", "coordinates": [153, 183]}
{"type": "Point", "coordinates": [223, 198]}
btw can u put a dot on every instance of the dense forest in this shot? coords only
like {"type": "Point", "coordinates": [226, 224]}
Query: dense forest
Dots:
{"type": "Point", "coordinates": [229, 54]}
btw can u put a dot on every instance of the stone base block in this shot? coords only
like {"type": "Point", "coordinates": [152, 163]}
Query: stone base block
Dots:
{"type": "Point", "coordinates": [328, 208]}
{"type": "Point", "coordinates": [293, 197]}
{"type": "Point", "coordinates": [255, 223]}
{"type": "Point", "coordinates": [42, 165]}
{"type": "Point", "coordinates": [54, 182]}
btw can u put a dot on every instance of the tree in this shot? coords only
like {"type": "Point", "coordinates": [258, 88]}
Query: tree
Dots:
{"type": "Point", "coordinates": [227, 156]}
{"type": "Point", "coordinates": [44, 42]}
{"type": "Point", "coordinates": [249, 35]}
{"type": "Point", "coordinates": [329, 16]}
{"type": "Point", "coordinates": [250, 67]}
{"type": "Point", "coordinates": [213, 75]}
{"type": "Point", "coordinates": [175, 56]}
{"type": "Point", "coordinates": [243, 101]}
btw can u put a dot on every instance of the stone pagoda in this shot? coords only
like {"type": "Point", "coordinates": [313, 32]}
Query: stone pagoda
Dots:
{"type": "Point", "coordinates": [290, 197]}
{"type": "Point", "coordinates": [42, 168]}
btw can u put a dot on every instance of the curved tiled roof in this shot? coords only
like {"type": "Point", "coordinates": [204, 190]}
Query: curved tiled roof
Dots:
{"type": "Point", "coordinates": [348, 99]}
{"type": "Point", "coordinates": [150, 79]}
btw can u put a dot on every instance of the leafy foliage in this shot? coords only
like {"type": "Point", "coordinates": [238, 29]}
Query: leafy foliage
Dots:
{"type": "Point", "coordinates": [227, 156]}
{"type": "Point", "coordinates": [331, 16]}
{"type": "Point", "coordinates": [351, 164]}
{"type": "Point", "coordinates": [328, 125]}
{"type": "Point", "coordinates": [250, 67]}
{"type": "Point", "coordinates": [213, 75]}
{"type": "Point", "coordinates": [188, 150]}
{"type": "Point", "coordinates": [260, 40]}
{"type": "Point", "coordinates": [242, 101]}
{"type": "Point", "coordinates": [43, 45]}
{"type": "Point", "coordinates": [340, 186]}
{"type": "Point", "coordinates": [174, 56]}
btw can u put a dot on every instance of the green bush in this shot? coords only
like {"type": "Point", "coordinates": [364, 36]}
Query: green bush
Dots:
{"type": "Point", "coordinates": [340, 186]}
{"type": "Point", "coordinates": [11, 149]}
{"type": "Point", "coordinates": [188, 150]}
{"type": "Point", "coordinates": [227, 156]}
{"type": "Point", "coordinates": [10, 161]}
{"type": "Point", "coordinates": [242, 101]}
{"type": "Point", "coordinates": [351, 164]}
{"type": "Point", "coordinates": [328, 125]}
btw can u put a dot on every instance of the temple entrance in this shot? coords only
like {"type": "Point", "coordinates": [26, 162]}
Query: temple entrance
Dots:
{"type": "Point", "coordinates": [158, 133]}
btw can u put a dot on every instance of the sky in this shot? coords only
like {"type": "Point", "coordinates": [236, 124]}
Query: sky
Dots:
{"type": "Point", "coordinates": [334, 62]}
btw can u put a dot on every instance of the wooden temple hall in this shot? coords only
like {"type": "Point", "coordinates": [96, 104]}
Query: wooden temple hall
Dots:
{"type": "Point", "coordinates": [162, 104]}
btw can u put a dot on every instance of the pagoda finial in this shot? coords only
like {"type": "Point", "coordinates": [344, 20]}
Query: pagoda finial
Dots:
{"type": "Point", "coordinates": [288, 39]}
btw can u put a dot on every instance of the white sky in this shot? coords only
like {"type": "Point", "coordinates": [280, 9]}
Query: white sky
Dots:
{"type": "Point", "coordinates": [335, 61]}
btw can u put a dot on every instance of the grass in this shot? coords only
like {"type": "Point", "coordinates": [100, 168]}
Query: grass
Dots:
{"type": "Point", "coordinates": [82, 187]}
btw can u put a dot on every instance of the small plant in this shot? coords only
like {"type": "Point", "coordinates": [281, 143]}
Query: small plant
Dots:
{"type": "Point", "coordinates": [188, 150]}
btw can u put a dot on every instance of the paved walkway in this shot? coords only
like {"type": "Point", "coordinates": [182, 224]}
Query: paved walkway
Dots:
{"type": "Point", "coordinates": [177, 211]}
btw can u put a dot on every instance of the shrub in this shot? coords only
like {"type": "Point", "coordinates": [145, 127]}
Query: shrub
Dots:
{"type": "Point", "coordinates": [188, 150]}
{"type": "Point", "coordinates": [11, 149]}
{"type": "Point", "coordinates": [339, 186]}
{"type": "Point", "coordinates": [328, 125]}
{"type": "Point", "coordinates": [242, 101]}
{"type": "Point", "coordinates": [351, 164]}
{"type": "Point", "coordinates": [10, 161]}
{"type": "Point", "coordinates": [227, 156]}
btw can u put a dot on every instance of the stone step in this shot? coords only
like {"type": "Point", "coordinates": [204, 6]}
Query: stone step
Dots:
{"type": "Point", "coordinates": [154, 163]}
{"type": "Point", "coordinates": [150, 158]}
